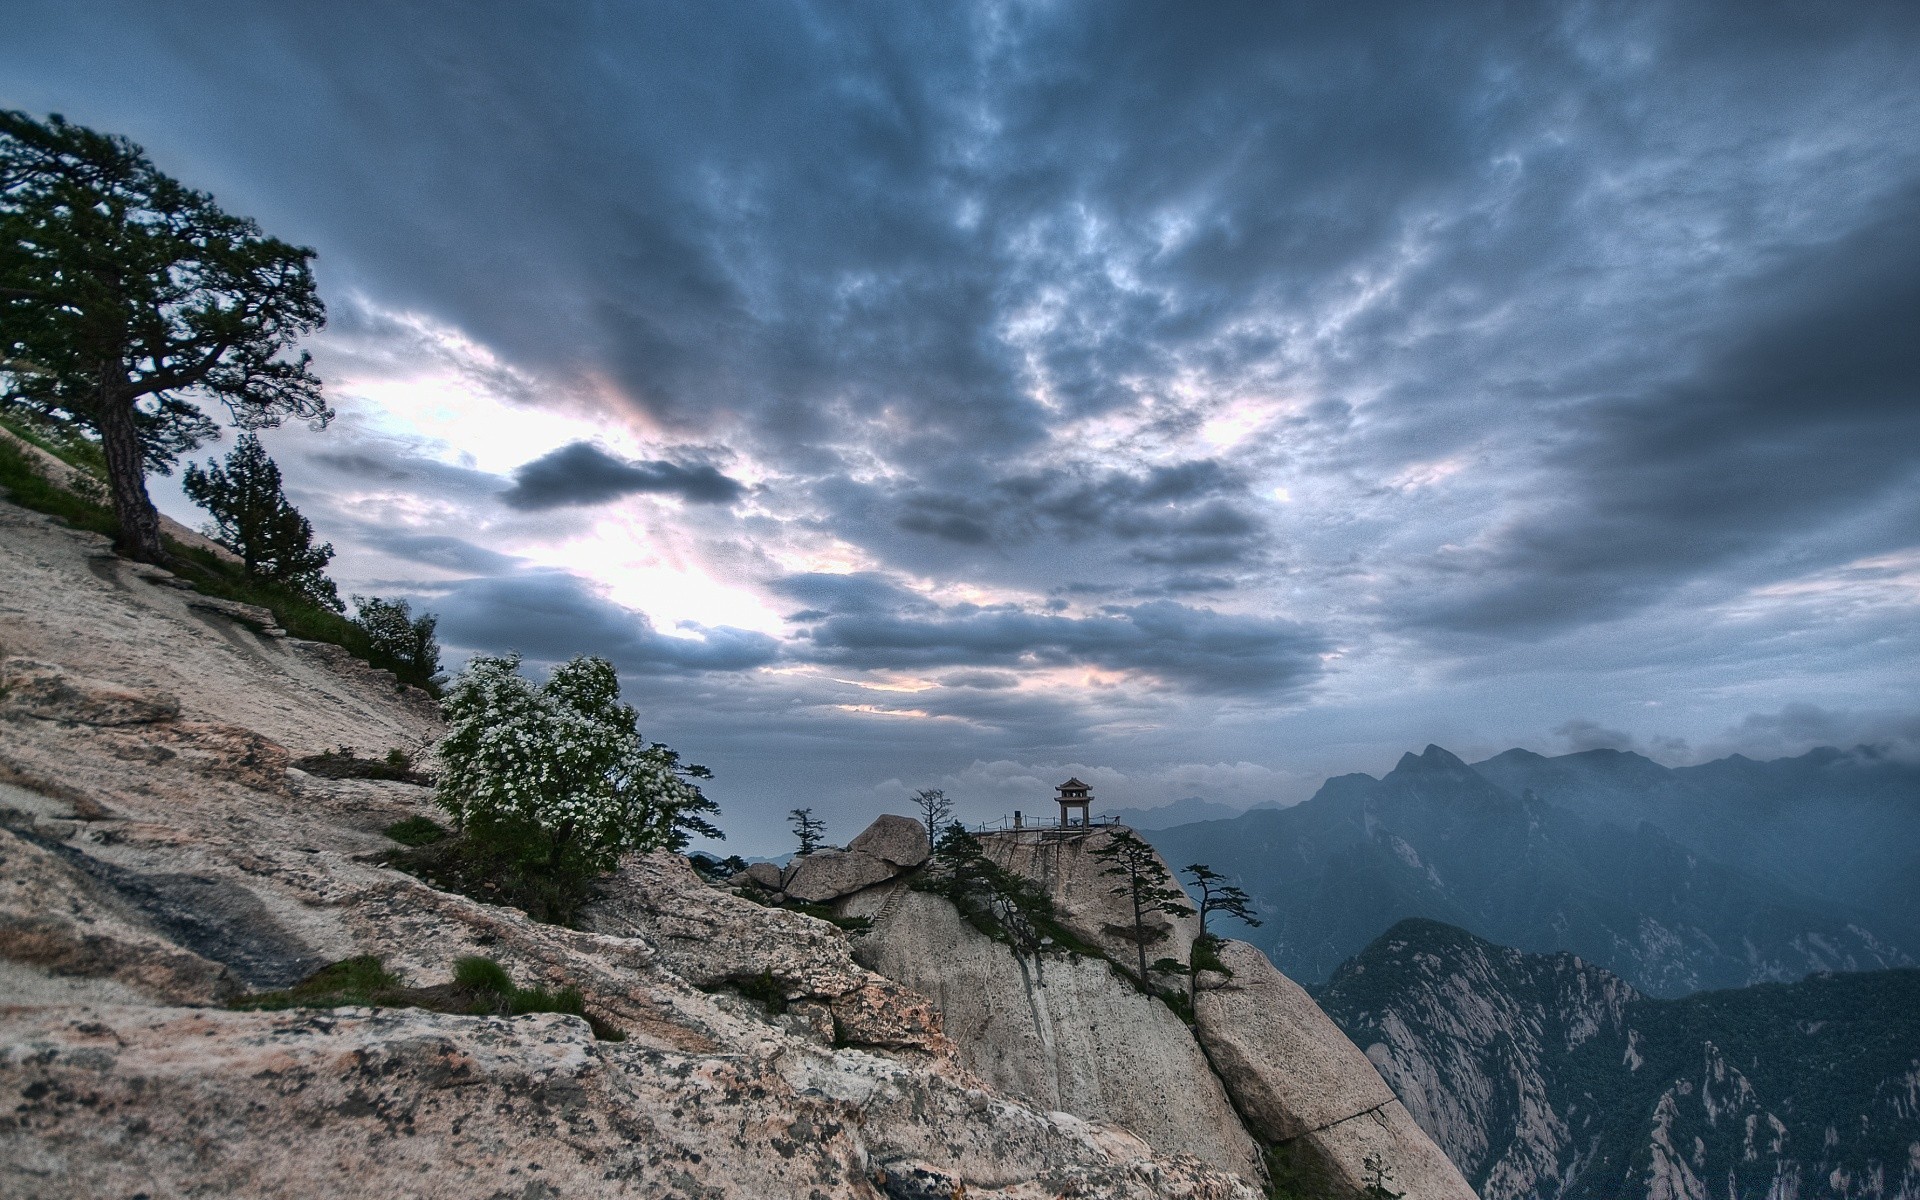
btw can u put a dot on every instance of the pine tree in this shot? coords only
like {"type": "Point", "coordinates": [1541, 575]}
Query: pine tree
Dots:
{"type": "Point", "coordinates": [807, 828]}
{"type": "Point", "coordinates": [935, 810]}
{"type": "Point", "coordinates": [252, 518]}
{"type": "Point", "coordinates": [1146, 885]}
{"type": "Point", "coordinates": [124, 296]}
{"type": "Point", "coordinates": [1216, 896]}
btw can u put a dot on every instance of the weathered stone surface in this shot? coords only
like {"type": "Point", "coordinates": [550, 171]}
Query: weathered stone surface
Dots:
{"type": "Point", "coordinates": [901, 841]}
{"type": "Point", "coordinates": [108, 626]}
{"type": "Point", "coordinates": [712, 938]}
{"type": "Point", "coordinates": [1286, 1063]}
{"type": "Point", "coordinates": [1292, 1073]}
{"type": "Point", "coordinates": [250, 615]}
{"type": "Point", "coordinates": [45, 691]}
{"type": "Point", "coordinates": [827, 874]}
{"type": "Point", "coordinates": [1064, 864]}
{"type": "Point", "coordinates": [57, 920]}
{"type": "Point", "coordinates": [1064, 1033]}
{"type": "Point", "coordinates": [762, 874]}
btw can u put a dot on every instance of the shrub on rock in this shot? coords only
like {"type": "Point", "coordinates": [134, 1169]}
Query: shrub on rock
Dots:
{"type": "Point", "coordinates": [550, 783]}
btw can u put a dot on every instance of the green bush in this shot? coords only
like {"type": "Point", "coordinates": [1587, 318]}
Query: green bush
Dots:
{"type": "Point", "coordinates": [480, 987]}
{"type": "Point", "coordinates": [549, 784]}
{"type": "Point", "coordinates": [416, 831]}
{"type": "Point", "coordinates": [483, 975]}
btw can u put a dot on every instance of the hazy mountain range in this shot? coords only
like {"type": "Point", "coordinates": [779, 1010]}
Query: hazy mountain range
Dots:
{"type": "Point", "coordinates": [1715, 876]}
{"type": "Point", "coordinates": [1542, 1075]}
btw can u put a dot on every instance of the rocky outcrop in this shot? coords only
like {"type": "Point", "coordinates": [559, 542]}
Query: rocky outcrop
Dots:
{"type": "Point", "coordinates": [1063, 1032]}
{"type": "Point", "coordinates": [152, 867]}
{"type": "Point", "coordinates": [1293, 1075]}
{"type": "Point", "coordinates": [827, 874]}
{"type": "Point", "coordinates": [1262, 1066]}
{"type": "Point", "coordinates": [900, 842]}
{"type": "Point", "coordinates": [1064, 864]}
{"type": "Point", "coordinates": [714, 939]}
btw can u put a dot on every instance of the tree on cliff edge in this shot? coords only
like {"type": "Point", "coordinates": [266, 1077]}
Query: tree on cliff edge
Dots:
{"type": "Point", "coordinates": [1145, 883]}
{"type": "Point", "coordinates": [124, 295]}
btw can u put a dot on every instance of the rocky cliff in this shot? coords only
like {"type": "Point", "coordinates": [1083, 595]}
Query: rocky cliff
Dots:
{"type": "Point", "coordinates": [160, 857]}
{"type": "Point", "coordinates": [1260, 1079]}
{"type": "Point", "coordinates": [1542, 1075]}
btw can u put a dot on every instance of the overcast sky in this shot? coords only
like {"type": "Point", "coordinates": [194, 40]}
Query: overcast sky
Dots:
{"type": "Point", "coordinates": [1200, 399]}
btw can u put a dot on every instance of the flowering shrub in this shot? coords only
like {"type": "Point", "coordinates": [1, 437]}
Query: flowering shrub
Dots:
{"type": "Point", "coordinates": [554, 779]}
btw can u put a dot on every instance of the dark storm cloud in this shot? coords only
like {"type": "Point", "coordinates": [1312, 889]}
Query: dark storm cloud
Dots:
{"type": "Point", "coordinates": [875, 625]}
{"type": "Point", "coordinates": [580, 474]}
{"type": "Point", "coordinates": [551, 615]}
{"type": "Point", "coordinates": [1805, 411]}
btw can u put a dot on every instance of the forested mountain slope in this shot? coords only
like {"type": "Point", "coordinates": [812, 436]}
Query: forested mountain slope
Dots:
{"type": "Point", "coordinates": [1542, 1075]}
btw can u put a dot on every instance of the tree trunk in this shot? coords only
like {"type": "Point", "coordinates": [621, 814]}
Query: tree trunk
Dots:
{"type": "Point", "coordinates": [1140, 936]}
{"type": "Point", "coordinates": [127, 478]}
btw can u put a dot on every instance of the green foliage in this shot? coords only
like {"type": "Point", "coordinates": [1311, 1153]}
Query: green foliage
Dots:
{"type": "Point", "coordinates": [360, 981]}
{"type": "Point", "coordinates": [764, 989]}
{"type": "Point", "coordinates": [480, 987]}
{"type": "Point", "coordinates": [807, 829]}
{"type": "Point", "coordinates": [482, 975]}
{"type": "Point", "coordinates": [1206, 956]}
{"type": "Point", "coordinates": [399, 641]}
{"type": "Point", "coordinates": [1296, 1171]}
{"type": "Point", "coordinates": [1145, 884]}
{"type": "Point", "coordinates": [1000, 903]}
{"type": "Point", "coordinates": [550, 783]}
{"type": "Point", "coordinates": [716, 870]}
{"type": "Point", "coordinates": [417, 831]}
{"type": "Point", "coordinates": [253, 518]}
{"type": "Point", "coordinates": [124, 294]}
{"type": "Point", "coordinates": [27, 487]}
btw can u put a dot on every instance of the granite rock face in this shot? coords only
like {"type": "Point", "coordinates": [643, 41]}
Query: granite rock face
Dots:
{"type": "Point", "coordinates": [152, 868]}
{"type": "Point", "coordinates": [828, 874]}
{"type": "Point", "coordinates": [1064, 1033]}
{"type": "Point", "coordinates": [898, 841]}
{"type": "Point", "coordinates": [1294, 1075]}
{"type": "Point", "coordinates": [1262, 1066]}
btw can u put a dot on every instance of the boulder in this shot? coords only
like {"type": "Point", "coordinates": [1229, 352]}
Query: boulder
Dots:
{"type": "Point", "coordinates": [761, 874]}
{"type": "Point", "coordinates": [1293, 1074]}
{"type": "Point", "coordinates": [828, 874]}
{"type": "Point", "coordinates": [901, 841]}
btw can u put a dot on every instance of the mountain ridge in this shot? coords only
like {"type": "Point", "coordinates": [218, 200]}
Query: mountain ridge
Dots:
{"type": "Point", "coordinates": [1541, 1074]}
{"type": "Point", "coordinates": [1519, 848]}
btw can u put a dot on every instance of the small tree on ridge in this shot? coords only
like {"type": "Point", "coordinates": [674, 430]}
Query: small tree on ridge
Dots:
{"type": "Point", "coordinates": [253, 518]}
{"type": "Point", "coordinates": [935, 811]}
{"type": "Point", "coordinates": [810, 830]}
{"type": "Point", "coordinates": [1146, 885]}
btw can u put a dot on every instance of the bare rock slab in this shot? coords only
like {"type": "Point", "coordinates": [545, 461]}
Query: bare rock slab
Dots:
{"type": "Point", "coordinates": [901, 841]}
{"type": "Point", "coordinates": [828, 874]}
{"type": "Point", "coordinates": [1292, 1073]}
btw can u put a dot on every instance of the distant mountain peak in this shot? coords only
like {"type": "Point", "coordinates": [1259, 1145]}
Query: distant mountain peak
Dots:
{"type": "Point", "coordinates": [1430, 761]}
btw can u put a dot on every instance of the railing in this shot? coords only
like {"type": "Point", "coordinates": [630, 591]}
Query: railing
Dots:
{"type": "Point", "coordinates": [1051, 824]}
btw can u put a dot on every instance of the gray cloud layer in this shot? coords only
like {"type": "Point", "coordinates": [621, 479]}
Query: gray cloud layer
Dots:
{"type": "Point", "coordinates": [1569, 324]}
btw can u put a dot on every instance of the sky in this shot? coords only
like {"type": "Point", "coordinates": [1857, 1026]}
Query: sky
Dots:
{"type": "Point", "coordinates": [1199, 399]}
